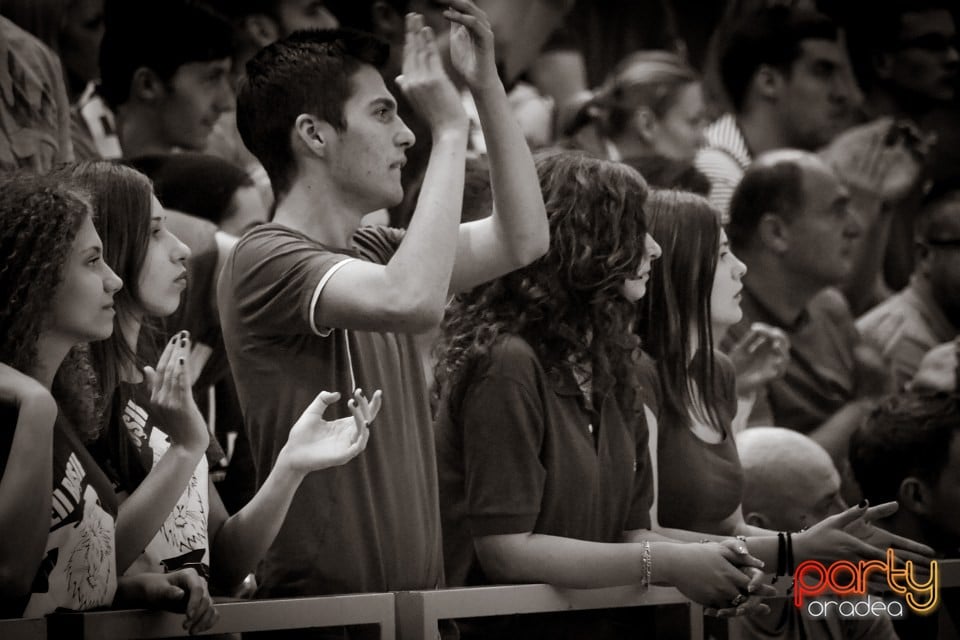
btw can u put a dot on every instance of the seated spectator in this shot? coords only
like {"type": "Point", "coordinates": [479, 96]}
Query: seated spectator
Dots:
{"type": "Point", "coordinates": [789, 484]}
{"type": "Point", "coordinates": [784, 71]}
{"type": "Point", "coordinates": [61, 294]}
{"type": "Point", "coordinates": [155, 437]}
{"type": "Point", "coordinates": [908, 450]}
{"type": "Point", "coordinates": [164, 92]}
{"type": "Point", "coordinates": [927, 312]}
{"type": "Point", "coordinates": [543, 464]}
{"type": "Point", "coordinates": [651, 104]}
{"type": "Point", "coordinates": [34, 111]}
{"type": "Point", "coordinates": [790, 223]}
{"type": "Point", "coordinates": [206, 187]}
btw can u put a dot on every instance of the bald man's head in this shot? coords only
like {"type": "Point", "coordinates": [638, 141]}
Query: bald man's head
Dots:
{"type": "Point", "coordinates": [790, 482]}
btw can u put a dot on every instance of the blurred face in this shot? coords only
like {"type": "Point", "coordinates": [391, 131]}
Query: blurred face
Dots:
{"type": "Point", "coordinates": [725, 294]}
{"type": "Point", "coordinates": [80, 39]}
{"type": "Point", "coordinates": [636, 288]}
{"type": "Point", "coordinates": [83, 303]}
{"type": "Point", "coordinates": [247, 210]}
{"type": "Point", "coordinates": [822, 236]}
{"type": "Point", "coordinates": [196, 96]}
{"type": "Point", "coordinates": [679, 133]}
{"type": "Point", "coordinates": [365, 159]}
{"type": "Point", "coordinates": [815, 102]}
{"type": "Point", "coordinates": [813, 496]}
{"type": "Point", "coordinates": [942, 267]}
{"type": "Point", "coordinates": [163, 276]}
{"type": "Point", "coordinates": [294, 15]}
{"type": "Point", "coordinates": [925, 60]}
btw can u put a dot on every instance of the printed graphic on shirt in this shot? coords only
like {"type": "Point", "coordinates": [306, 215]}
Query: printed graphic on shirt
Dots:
{"type": "Point", "coordinates": [78, 570]}
{"type": "Point", "coordinates": [182, 538]}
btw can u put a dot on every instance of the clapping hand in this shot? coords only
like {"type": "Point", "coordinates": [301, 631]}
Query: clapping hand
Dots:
{"type": "Point", "coordinates": [938, 370]}
{"type": "Point", "coordinates": [315, 443]}
{"type": "Point", "coordinates": [471, 44]}
{"type": "Point", "coordinates": [760, 356]}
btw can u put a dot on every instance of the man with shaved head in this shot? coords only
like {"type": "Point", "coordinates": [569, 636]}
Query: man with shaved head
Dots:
{"type": "Point", "coordinates": [790, 222]}
{"type": "Point", "coordinates": [790, 483]}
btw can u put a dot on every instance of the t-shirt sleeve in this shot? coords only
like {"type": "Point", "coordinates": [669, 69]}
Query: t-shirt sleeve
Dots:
{"type": "Point", "coordinates": [377, 243]}
{"type": "Point", "coordinates": [504, 478]}
{"type": "Point", "coordinates": [277, 279]}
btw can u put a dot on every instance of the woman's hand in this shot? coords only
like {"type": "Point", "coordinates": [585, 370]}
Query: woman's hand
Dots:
{"type": "Point", "coordinates": [425, 83]}
{"type": "Point", "coordinates": [25, 393]}
{"type": "Point", "coordinates": [471, 45]}
{"type": "Point", "coordinates": [315, 443]}
{"type": "Point", "coordinates": [182, 591]}
{"type": "Point", "coordinates": [760, 356]}
{"type": "Point", "coordinates": [171, 397]}
{"type": "Point", "coordinates": [850, 535]}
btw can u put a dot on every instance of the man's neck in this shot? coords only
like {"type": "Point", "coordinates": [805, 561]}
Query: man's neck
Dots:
{"type": "Point", "coordinates": [782, 294]}
{"type": "Point", "coordinates": [137, 132]}
{"type": "Point", "coordinates": [319, 213]}
{"type": "Point", "coordinates": [761, 131]}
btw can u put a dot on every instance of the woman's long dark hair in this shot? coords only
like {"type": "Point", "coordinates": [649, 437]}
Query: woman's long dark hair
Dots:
{"type": "Point", "coordinates": [687, 227]}
{"type": "Point", "coordinates": [568, 304]}
{"type": "Point", "coordinates": [121, 198]}
{"type": "Point", "coordinates": [39, 221]}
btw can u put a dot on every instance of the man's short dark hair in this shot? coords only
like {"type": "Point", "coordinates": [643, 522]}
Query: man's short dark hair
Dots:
{"type": "Point", "coordinates": [769, 36]}
{"type": "Point", "coordinates": [161, 35]}
{"type": "Point", "coordinates": [907, 435]}
{"type": "Point", "coordinates": [306, 72]}
{"type": "Point", "coordinates": [358, 14]}
{"type": "Point", "coordinates": [766, 187]}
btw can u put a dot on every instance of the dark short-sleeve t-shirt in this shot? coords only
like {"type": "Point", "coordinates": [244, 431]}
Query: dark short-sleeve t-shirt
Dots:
{"type": "Point", "coordinates": [700, 483]}
{"type": "Point", "coordinates": [79, 567]}
{"type": "Point", "coordinates": [821, 376]}
{"type": "Point", "coordinates": [524, 454]}
{"type": "Point", "coordinates": [372, 524]}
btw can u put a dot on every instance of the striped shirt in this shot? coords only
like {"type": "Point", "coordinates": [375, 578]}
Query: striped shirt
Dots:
{"type": "Point", "coordinates": [723, 161]}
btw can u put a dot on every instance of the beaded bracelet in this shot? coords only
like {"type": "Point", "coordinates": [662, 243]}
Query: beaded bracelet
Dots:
{"type": "Point", "coordinates": [646, 563]}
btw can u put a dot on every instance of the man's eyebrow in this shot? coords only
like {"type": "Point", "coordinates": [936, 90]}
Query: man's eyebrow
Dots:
{"type": "Point", "coordinates": [389, 103]}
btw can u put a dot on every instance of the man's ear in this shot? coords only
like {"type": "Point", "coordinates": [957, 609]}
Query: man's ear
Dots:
{"type": "Point", "coordinates": [386, 22]}
{"type": "Point", "coordinates": [261, 28]}
{"type": "Point", "coordinates": [146, 85]}
{"type": "Point", "coordinates": [756, 519]}
{"type": "Point", "coordinates": [767, 82]}
{"type": "Point", "coordinates": [914, 496]}
{"type": "Point", "coordinates": [313, 134]}
{"type": "Point", "coordinates": [774, 233]}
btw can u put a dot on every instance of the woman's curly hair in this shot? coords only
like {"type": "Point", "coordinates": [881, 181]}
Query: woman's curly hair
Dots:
{"type": "Point", "coordinates": [568, 304]}
{"type": "Point", "coordinates": [39, 221]}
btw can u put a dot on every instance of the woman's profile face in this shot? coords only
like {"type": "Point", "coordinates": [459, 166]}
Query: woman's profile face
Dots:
{"type": "Point", "coordinates": [82, 306]}
{"type": "Point", "coordinates": [635, 288]}
{"type": "Point", "coordinates": [679, 133]}
{"type": "Point", "coordinates": [725, 295]}
{"type": "Point", "coordinates": [163, 276]}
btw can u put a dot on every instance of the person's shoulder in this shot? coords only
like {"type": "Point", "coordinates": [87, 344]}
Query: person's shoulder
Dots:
{"type": "Point", "coordinates": [831, 304]}
{"type": "Point", "coordinates": [889, 313]}
{"type": "Point", "coordinates": [377, 243]}
{"type": "Point", "coordinates": [512, 356]}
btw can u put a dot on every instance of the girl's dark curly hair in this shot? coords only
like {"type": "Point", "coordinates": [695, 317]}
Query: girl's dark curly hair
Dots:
{"type": "Point", "coordinates": [687, 227]}
{"type": "Point", "coordinates": [39, 221]}
{"type": "Point", "coordinates": [568, 304]}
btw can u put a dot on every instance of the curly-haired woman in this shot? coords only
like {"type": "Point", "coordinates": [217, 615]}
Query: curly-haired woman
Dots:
{"type": "Point", "coordinates": [155, 436]}
{"type": "Point", "coordinates": [57, 508]}
{"type": "Point", "coordinates": [542, 454]}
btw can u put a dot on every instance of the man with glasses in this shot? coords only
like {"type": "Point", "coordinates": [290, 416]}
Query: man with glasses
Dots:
{"type": "Point", "coordinates": [927, 312]}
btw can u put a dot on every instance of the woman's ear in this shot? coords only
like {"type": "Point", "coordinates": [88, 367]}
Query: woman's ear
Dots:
{"type": "Point", "coordinates": [645, 125]}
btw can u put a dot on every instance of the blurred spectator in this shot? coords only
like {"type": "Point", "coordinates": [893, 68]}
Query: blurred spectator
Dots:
{"type": "Point", "coordinates": [207, 187]}
{"type": "Point", "coordinates": [165, 92]}
{"type": "Point", "coordinates": [927, 312]}
{"type": "Point", "coordinates": [34, 111]}
{"type": "Point", "coordinates": [908, 451]}
{"type": "Point", "coordinates": [790, 223]}
{"type": "Point", "coordinates": [783, 70]}
{"type": "Point", "coordinates": [789, 484]}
